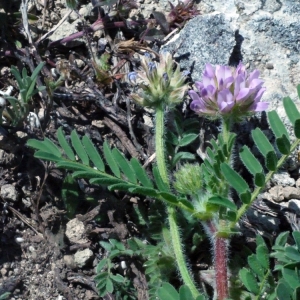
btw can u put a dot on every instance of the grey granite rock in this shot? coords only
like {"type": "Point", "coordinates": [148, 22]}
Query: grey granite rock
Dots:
{"type": "Point", "coordinates": [264, 34]}
{"type": "Point", "coordinates": [206, 38]}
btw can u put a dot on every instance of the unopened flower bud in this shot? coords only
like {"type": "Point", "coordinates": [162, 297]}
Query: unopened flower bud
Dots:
{"type": "Point", "coordinates": [161, 82]}
{"type": "Point", "coordinates": [188, 179]}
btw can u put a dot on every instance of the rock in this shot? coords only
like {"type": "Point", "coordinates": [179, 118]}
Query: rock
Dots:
{"type": "Point", "coordinates": [3, 271]}
{"type": "Point", "coordinates": [9, 192]}
{"type": "Point", "coordinates": [83, 257]}
{"type": "Point", "coordinates": [294, 205]}
{"type": "Point", "coordinates": [75, 232]}
{"type": "Point", "coordinates": [205, 38]}
{"type": "Point", "coordinates": [283, 179]}
{"type": "Point", "coordinates": [69, 261]}
{"type": "Point", "coordinates": [263, 222]}
{"type": "Point", "coordinates": [279, 193]}
{"type": "Point", "coordinates": [291, 193]}
{"type": "Point", "coordinates": [298, 183]}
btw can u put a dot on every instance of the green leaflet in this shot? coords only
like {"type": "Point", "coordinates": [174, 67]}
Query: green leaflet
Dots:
{"type": "Point", "coordinates": [221, 201]}
{"type": "Point", "coordinates": [283, 145]}
{"type": "Point", "coordinates": [111, 160]}
{"type": "Point", "coordinates": [182, 155]}
{"type": "Point", "coordinates": [65, 145]}
{"type": "Point", "coordinates": [80, 151]}
{"type": "Point", "coordinates": [120, 186]}
{"type": "Point", "coordinates": [124, 165]}
{"type": "Point", "coordinates": [72, 166]}
{"type": "Point", "coordinates": [158, 180]}
{"type": "Point", "coordinates": [296, 234]}
{"type": "Point", "coordinates": [277, 125]}
{"type": "Point", "coordinates": [186, 204]}
{"type": "Point", "coordinates": [262, 255]}
{"type": "Point", "coordinates": [93, 154]}
{"type": "Point", "coordinates": [282, 291]}
{"type": "Point", "coordinates": [170, 198]}
{"type": "Point", "coordinates": [250, 161]}
{"type": "Point", "coordinates": [46, 146]}
{"type": "Point", "coordinates": [292, 253]}
{"type": "Point", "coordinates": [259, 179]}
{"type": "Point", "coordinates": [141, 173]}
{"type": "Point", "coordinates": [298, 90]}
{"type": "Point", "coordinates": [291, 277]}
{"type": "Point", "coordinates": [234, 179]}
{"type": "Point", "coordinates": [91, 173]}
{"type": "Point", "coordinates": [187, 139]}
{"type": "Point", "coordinates": [255, 265]}
{"type": "Point", "coordinates": [167, 292]}
{"type": "Point", "coordinates": [101, 265]}
{"type": "Point", "coordinates": [185, 293]}
{"type": "Point", "coordinates": [249, 281]}
{"type": "Point", "coordinates": [46, 156]}
{"type": "Point", "coordinates": [262, 142]}
{"type": "Point", "coordinates": [106, 181]}
{"type": "Point", "coordinates": [144, 191]}
{"type": "Point", "coordinates": [282, 238]}
{"type": "Point", "coordinates": [271, 161]}
{"type": "Point", "coordinates": [291, 110]}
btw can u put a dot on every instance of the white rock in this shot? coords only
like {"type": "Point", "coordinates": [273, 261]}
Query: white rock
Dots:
{"type": "Point", "coordinates": [83, 257]}
{"type": "Point", "coordinates": [9, 192]}
{"type": "Point", "coordinates": [75, 232]}
{"type": "Point", "coordinates": [283, 179]}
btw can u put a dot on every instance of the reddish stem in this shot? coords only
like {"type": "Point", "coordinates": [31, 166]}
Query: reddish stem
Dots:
{"type": "Point", "coordinates": [220, 259]}
{"type": "Point", "coordinates": [220, 248]}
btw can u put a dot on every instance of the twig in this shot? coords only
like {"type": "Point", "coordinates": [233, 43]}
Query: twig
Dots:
{"type": "Point", "coordinates": [54, 28]}
{"type": "Point", "coordinates": [122, 136]}
{"type": "Point", "coordinates": [131, 132]}
{"type": "Point", "coordinates": [24, 219]}
{"type": "Point", "coordinates": [23, 8]}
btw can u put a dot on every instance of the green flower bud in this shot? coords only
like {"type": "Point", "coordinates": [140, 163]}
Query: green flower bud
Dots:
{"type": "Point", "coordinates": [160, 82]}
{"type": "Point", "coordinates": [188, 179]}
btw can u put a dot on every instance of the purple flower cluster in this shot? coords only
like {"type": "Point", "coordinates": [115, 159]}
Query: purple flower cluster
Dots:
{"type": "Point", "coordinates": [226, 91]}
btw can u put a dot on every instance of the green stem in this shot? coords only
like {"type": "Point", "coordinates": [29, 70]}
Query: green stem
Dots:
{"type": "Point", "coordinates": [175, 236]}
{"type": "Point", "coordinates": [160, 145]}
{"type": "Point", "coordinates": [180, 260]}
{"type": "Point", "coordinates": [226, 125]}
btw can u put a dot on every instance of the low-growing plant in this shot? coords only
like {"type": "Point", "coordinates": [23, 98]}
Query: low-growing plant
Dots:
{"type": "Point", "coordinates": [203, 191]}
{"type": "Point", "coordinates": [18, 110]}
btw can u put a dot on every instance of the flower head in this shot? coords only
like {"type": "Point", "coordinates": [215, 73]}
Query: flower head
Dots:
{"type": "Point", "coordinates": [228, 92]}
{"type": "Point", "coordinates": [160, 82]}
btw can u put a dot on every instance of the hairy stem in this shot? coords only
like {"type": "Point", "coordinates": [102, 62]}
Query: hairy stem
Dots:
{"type": "Point", "coordinates": [175, 236]}
{"type": "Point", "coordinates": [220, 248]}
